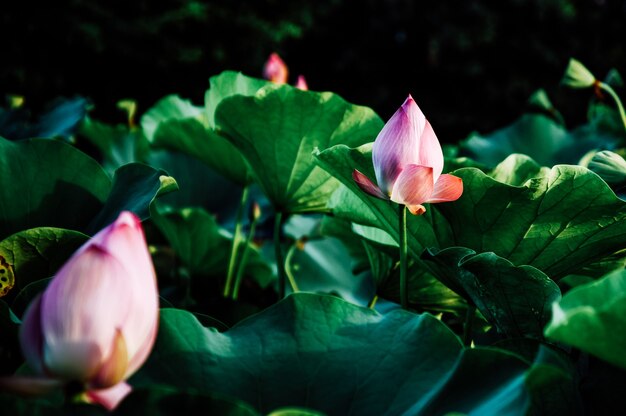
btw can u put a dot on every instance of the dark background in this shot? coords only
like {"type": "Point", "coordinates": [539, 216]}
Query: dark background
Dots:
{"type": "Point", "coordinates": [470, 65]}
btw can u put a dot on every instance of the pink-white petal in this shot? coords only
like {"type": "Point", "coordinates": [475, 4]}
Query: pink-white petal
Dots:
{"type": "Point", "coordinates": [81, 309]}
{"type": "Point", "coordinates": [367, 185]}
{"type": "Point", "coordinates": [109, 398]}
{"type": "Point", "coordinates": [430, 152]}
{"type": "Point", "coordinates": [414, 186]}
{"type": "Point", "coordinates": [447, 188]}
{"type": "Point", "coordinates": [301, 83]}
{"type": "Point", "coordinates": [124, 240]}
{"type": "Point", "coordinates": [31, 337]}
{"type": "Point", "coordinates": [397, 144]}
{"type": "Point", "coordinates": [416, 209]}
{"type": "Point", "coordinates": [275, 69]}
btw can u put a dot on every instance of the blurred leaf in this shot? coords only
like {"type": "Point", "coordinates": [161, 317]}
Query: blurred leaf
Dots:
{"type": "Point", "coordinates": [535, 135]}
{"type": "Point", "coordinates": [118, 144]}
{"type": "Point", "coordinates": [62, 118]}
{"type": "Point", "coordinates": [500, 392]}
{"type": "Point", "coordinates": [516, 169]}
{"type": "Point", "coordinates": [38, 253]}
{"type": "Point", "coordinates": [134, 188]}
{"type": "Point", "coordinates": [593, 318]}
{"type": "Point", "coordinates": [204, 247]}
{"type": "Point", "coordinates": [175, 124]}
{"type": "Point", "coordinates": [48, 183]}
{"type": "Point", "coordinates": [225, 85]}
{"type": "Point", "coordinates": [278, 129]}
{"type": "Point", "coordinates": [164, 401]}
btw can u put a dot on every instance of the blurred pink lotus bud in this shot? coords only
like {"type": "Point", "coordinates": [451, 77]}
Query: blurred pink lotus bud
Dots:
{"type": "Point", "coordinates": [275, 69]}
{"type": "Point", "coordinates": [97, 320]}
{"type": "Point", "coordinates": [301, 83]}
{"type": "Point", "coordinates": [408, 162]}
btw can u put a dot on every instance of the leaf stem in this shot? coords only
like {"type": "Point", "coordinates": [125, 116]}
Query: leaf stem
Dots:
{"type": "Point", "coordinates": [372, 302]}
{"type": "Point", "coordinates": [404, 283]}
{"type": "Point", "coordinates": [237, 237]}
{"type": "Point", "coordinates": [280, 263]}
{"type": "Point", "coordinates": [613, 94]}
{"type": "Point", "coordinates": [241, 269]}
{"type": "Point", "coordinates": [468, 326]}
{"type": "Point", "coordinates": [288, 271]}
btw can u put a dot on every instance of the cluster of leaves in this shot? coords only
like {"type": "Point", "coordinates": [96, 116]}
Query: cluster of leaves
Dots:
{"type": "Point", "coordinates": [511, 287]}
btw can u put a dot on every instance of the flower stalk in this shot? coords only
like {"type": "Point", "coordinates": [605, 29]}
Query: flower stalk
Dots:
{"type": "Point", "coordinates": [237, 237]}
{"type": "Point", "coordinates": [404, 281]}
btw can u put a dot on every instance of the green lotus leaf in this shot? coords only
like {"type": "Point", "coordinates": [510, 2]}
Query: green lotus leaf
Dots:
{"type": "Point", "coordinates": [592, 318]}
{"type": "Point", "coordinates": [277, 130]}
{"type": "Point", "coordinates": [204, 247]}
{"type": "Point", "coordinates": [47, 183]}
{"type": "Point", "coordinates": [38, 253]}
{"type": "Point", "coordinates": [175, 124]}
{"type": "Point", "coordinates": [558, 222]}
{"type": "Point", "coordinates": [516, 299]}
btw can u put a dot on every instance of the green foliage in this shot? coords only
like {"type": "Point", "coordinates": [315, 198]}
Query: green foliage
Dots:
{"type": "Point", "coordinates": [592, 317]}
{"type": "Point", "coordinates": [398, 362]}
{"type": "Point", "coordinates": [557, 223]}
{"type": "Point", "coordinates": [277, 129]}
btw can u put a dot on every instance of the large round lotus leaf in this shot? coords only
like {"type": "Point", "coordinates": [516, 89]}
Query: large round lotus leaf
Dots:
{"type": "Point", "coordinates": [277, 130]}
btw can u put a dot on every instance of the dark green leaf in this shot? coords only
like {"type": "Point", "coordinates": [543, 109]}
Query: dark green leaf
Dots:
{"type": "Point", "coordinates": [48, 183]}
{"type": "Point", "coordinates": [163, 401]}
{"type": "Point", "coordinates": [38, 253]}
{"type": "Point", "coordinates": [134, 188]}
{"type": "Point", "coordinates": [314, 351]}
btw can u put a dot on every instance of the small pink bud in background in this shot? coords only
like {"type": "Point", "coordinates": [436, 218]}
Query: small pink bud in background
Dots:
{"type": "Point", "coordinates": [408, 162]}
{"type": "Point", "coordinates": [301, 83]}
{"type": "Point", "coordinates": [97, 320]}
{"type": "Point", "coordinates": [275, 69]}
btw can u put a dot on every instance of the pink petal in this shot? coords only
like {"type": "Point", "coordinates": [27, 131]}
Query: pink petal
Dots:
{"type": "Point", "coordinates": [81, 309]}
{"type": "Point", "coordinates": [29, 386]}
{"type": "Point", "coordinates": [430, 152]}
{"type": "Point", "coordinates": [124, 240]}
{"type": "Point", "coordinates": [275, 69]}
{"type": "Point", "coordinates": [367, 185]}
{"type": "Point", "coordinates": [31, 337]}
{"type": "Point", "coordinates": [414, 185]}
{"type": "Point", "coordinates": [447, 188]}
{"type": "Point", "coordinates": [301, 83]}
{"type": "Point", "coordinates": [416, 209]}
{"type": "Point", "coordinates": [397, 144]}
{"type": "Point", "coordinates": [111, 397]}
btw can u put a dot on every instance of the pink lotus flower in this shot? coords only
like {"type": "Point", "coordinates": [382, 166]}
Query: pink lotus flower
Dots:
{"type": "Point", "coordinates": [301, 83]}
{"type": "Point", "coordinates": [97, 320]}
{"type": "Point", "coordinates": [408, 162]}
{"type": "Point", "coordinates": [275, 69]}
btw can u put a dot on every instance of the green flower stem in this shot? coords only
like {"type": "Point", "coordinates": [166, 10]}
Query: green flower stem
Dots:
{"type": "Point", "coordinates": [244, 259]}
{"type": "Point", "coordinates": [288, 271]}
{"type": "Point", "coordinates": [468, 326]}
{"type": "Point", "coordinates": [280, 263]}
{"type": "Point", "coordinates": [237, 237]}
{"type": "Point", "coordinates": [404, 282]}
{"type": "Point", "coordinates": [372, 302]}
{"type": "Point", "coordinates": [613, 94]}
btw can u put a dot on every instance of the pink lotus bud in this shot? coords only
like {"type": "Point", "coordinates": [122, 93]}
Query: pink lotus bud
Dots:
{"type": "Point", "coordinates": [408, 162]}
{"type": "Point", "coordinates": [97, 320]}
{"type": "Point", "coordinates": [275, 69]}
{"type": "Point", "coordinates": [301, 83]}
